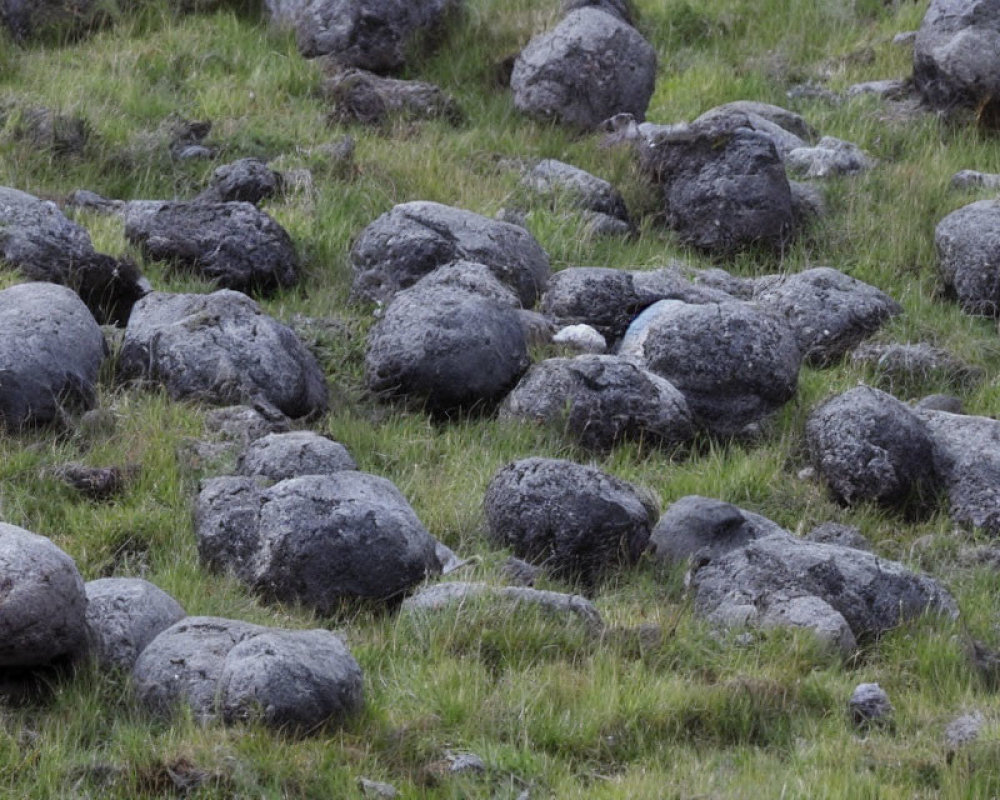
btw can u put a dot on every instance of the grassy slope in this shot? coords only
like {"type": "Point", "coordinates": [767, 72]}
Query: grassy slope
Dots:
{"type": "Point", "coordinates": [698, 715]}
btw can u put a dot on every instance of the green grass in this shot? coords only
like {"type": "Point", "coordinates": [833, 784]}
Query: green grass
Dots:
{"type": "Point", "coordinates": [551, 709]}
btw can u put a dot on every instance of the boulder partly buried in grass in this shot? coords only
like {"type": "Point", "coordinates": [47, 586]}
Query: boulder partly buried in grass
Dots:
{"type": "Point", "coordinates": [278, 456]}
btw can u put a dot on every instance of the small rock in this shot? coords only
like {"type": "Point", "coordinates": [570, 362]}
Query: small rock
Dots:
{"type": "Point", "coordinates": [278, 456]}
{"type": "Point", "coordinates": [964, 729]}
{"type": "Point", "coordinates": [361, 96]}
{"type": "Point", "coordinates": [581, 338]}
{"type": "Point", "coordinates": [830, 158]}
{"type": "Point", "coordinates": [869, 706]}
{"type": "Point", "coordinates": [835, 533]}
{"type": "Point", "coordinates": [905, 38]}
{"type": "Point", "coordinates": [971, 179]}
{"type": "Point", "coordinates": [459, 763]}
{"type": "Point", "coordinates": [375, 789]}
{"type": "Point", "coordinates": [940, 402]}
{"type": "Point", "coordinates": [891, 88]}
{"type": "Point", "coordinates": [96, 483]}
{"type": "Point", "coordinates": [520, 572]}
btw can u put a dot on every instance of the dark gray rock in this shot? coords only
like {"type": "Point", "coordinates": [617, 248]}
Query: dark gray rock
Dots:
{"type": "Point", "coordinates": [967, 460]}
{"type": "Point", "coordinates": [248, 180]}
{"type": "Point", "coordinates": [245, 423]}
{"type": "Point", "coordinates": [222, 349]}
{"type": "Point", "coordinates": [830, 158]}
{"type": "Point", "coordinates": [50, 19]}
{"type": "Point", "coordinates": [835, 533]}
{"type": "Point", "coordinates": [557, 179]}
{"type": "Point", "coordinates": [887, 89]}
{"type": "Point", "coordinates": [361, 96]}
{"type": "Point", "coordinates": [574, 520]}
{"type": "Point", "coordinates": [370, 34]}
{"type": "Point", "coordinates": [238, 671]}
{"type": "Point", "coordinates": [278, 456]}
{"type": "Point", "coordinates": [868, 446]}
{"type": "Point", "coordinates": [785, 128]}
{"type": "Point", "coordinates": [699, 528]}
{"type": "Point", "coordinates": [51, 350]}
{"type": "Point", "coordinates": [971, 179]}
{"type": "Point", "coordinates": [61, 135]}
{"type": "Point", "coordinates": [227, 525]}
{"type": "Point", "coordinates": [521, 573]}
{"type": "Point", "coordinates": [828, 311]}
{"type": "Point", "coordinates": [869, 705]}
{"type": "Point", "coordinates": [735, 363]}
{"type": "Point", "coordinates": [235, 245]}
{"type": "Point", "coordinates": [478, 279]}
{"type": "Point", "coordinates": [956, 55]}
{"type": "Point", "coordinates": [902, 366]}
{"type": "Point", "coordinates": [586, 69]}
{"type": "Point", "coordinates": [724, 185]}
{"type": "Point", "coordinates": [940, 402]}
{"type": "Point", "coordinates": [968, 249]}
{"type": "Point", "coordinates": [599, 224]}
{"type": "Point", "coordinates": [413, 239]}
{"type": "Point", "coordinates": [38, 241]}
{"type": "Point", "coordinates": [124, 615]}
{"type": "Point", "coordinates": [601, 401]}
{"type": "Point", "coordinates": [445, 348]}
{"type": "Point", "coordinates": [43, 604]}
{"type": "Point", "coordinates": [808, 202]}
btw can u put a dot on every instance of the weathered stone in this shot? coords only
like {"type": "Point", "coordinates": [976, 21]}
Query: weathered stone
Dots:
{"type": "Point", "coordinates": [869, 705]}
{"type": "Point", "coordinates": [248, 180]}
{"type": "Point", "coordinates": [51, 19]}
{"type": "Point", "coordinates": [619, 8]}
{"type": "Point", "coordinates": [245, 423]}
{"type": "Point", "coordinates": [278, 456]}
{"type": "Point", "coordinates": [222, 349]}
{"type": "Point", "coordinates": [361, 96]}
{"type": "Point", "coordinates": [581, 339]}
{"type": "Point", "coordinates": [964, 729]}
{"type": "Point", "coordinates": [785, 128]}
{"type": "Point", "coordinates": [588, 68]}
{"type": "Point", "coordinates": [972, 179]}
{"type": "Point", "coordinates": [835, 533]}
{"type": "Point", "coordinates": [556, 179]}
{"type": "Point", "coordinates": [900, 366]}
{"type": "Point", "coordinates": [830, 158]}
{"type": "Point", "coordinates": [888, 89]}
{"type": "Point", "coordinates": [478, 279]}
{"type": "Point", "coordinates": [968, 248]}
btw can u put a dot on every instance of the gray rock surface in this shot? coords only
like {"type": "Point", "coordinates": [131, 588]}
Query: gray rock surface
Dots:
{"type": "Point", "coordinates": [601, 401]}
{"type": "Point", "coordinates": [475, 278]}
{"type": "Point", "coordinates": [786, 129]}
{"type": "Point", "coordinates": [413, 239]}
{"type": "Point", "coordinates": [899, 366]}
{"type": "Point", "coordinates": [245, 423]}
{"type": "Point", "coordinates": [581, 339]}
{"type": "Point", "coordinates": [278, 456]}
{"type": "Point", "coordinates": [735, 363]}
{"type": "Point", "coordinates": [248, 180]}
{"type": "Point", "coordinates": [830, 158]}
{"type": "Point", "coordinates": [973, 179]}
{"type": "Point", "coordinates": [619, 8]}
{"type": "Point", "coordinates": [38, 241]}
{"type": "Point", "coordinates": [887, 89]}
{"type": "Point", "coordinates": [964, 729]}
{"type": "Point", "coordinates": [445, 348]}
{"type": "Point", "coordinates": [808, 202]}
{"type": "Point", "coordinates": [237, 671]}
{"type": "Point", "coordinates": [235, 245]}
{"type": "Point", "coordinates": [968, 249]}
{"type": "Point", "coordinates": [956, 55]}
{"type": "Point", "coordinates": [222, 349]}
{"type": "Point", "coordinates": [835, 533]}
{"type": "Point", "coordinates": [724, 184]}
{"type": "Point", "coordinates": [574, 520]}
{"type": "Point", "coordinates": [557, 179]}
{"type": "Point", "coordinates": [361, 96]}
{"type": "Point", "coordinates": [51, 350]}
{"type": "Point", "coordinates": [869, 705]}
{"type": "Point", "coordinates": [868, 446]}
{"type": "Point", "coordinates": [49, 19]}
{"type": "Point", "coordinates": [124, 615]}
{"type": "Point", "coordinates": [43, 604]}
{"type": "Point", "coordinates": [828, 311]}
{"type": "Point", "coordinates": [591, 66]}
{"type": "Point", "coordinates": [316, 539]}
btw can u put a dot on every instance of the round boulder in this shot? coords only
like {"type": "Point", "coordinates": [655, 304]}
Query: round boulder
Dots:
{"type": "Point", "coordinates": [574, 520]}
{"type": "Point", "coordinates": [278, 456]}
{"type": "Point", "coordinates": [868, 446]}
{"type": "Point", "coordinates": [968, 249]}
{"type": "Point", "coordinates": [591, 66]}
{"type": "Point", "coordinates": [222, 349]}
{"type": "Point", "coordinates": [43, 604]}
{"type": "Point", "coordinates": [600, 401]}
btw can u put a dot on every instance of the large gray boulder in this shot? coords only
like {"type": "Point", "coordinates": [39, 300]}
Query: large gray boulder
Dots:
{"type": "Point", "coordinates": [278, 456]}
{"type": "Point", "coordinates": [968, 249]}
{"type": "Point", "coordinates": [413, 239]}
{"type": "Point", "coordinates": [591, 66]}
{"type": "Point", "coordinates": [828, 311]}
{"type": "Point", "coordinates": [601, 401]}
{"type": "Point", "coordinates": [724, 184]}
{"type": "Point", "coordinates": [445, 348]}
{"type": "Point", "coordinates": [234, 245]}
{"type": "Point", "coordinates": [316, 539]}
{"type": "Point", "coordinates": [574, 520]}
{"type": "Point", "coordinates": [43, 605]}
{"type": "Point", "coordinates": [868, 446]}
{"type": "Point", "coordinates": [956, 55]}
{"type": "Point", "coordinates": [38, 241]}
{"type": "Point", "coordinates": [370, 34]}
{"type": "Point", "coordinates": [735, 363]}
{"type": "Point", "coordinates": [124, 615]}
{"type": "Point", "coordinates": [967, 460]}
{"type": "Point", "coordinates": [222, 349]}
{"type": "Point", "coordinates": [236, 671]}
{"type": "Point", "coordinates": [51, 350]}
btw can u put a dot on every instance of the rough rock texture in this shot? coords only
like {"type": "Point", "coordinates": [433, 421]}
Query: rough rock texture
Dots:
{"type": "Point", "coordinates": [222, 349]}
{"type": "Point", "coordinates": [248, 180]}
{"type": "Point", "coordinates": [361, 96]}
{"type": "Point", "coordinates": [124, 615]}
{"type": "Point", "coordinates": [900, 366]}
{"type": "Point", "coordinates": [581, 339]}
{"type": "Point", "coordinates": [316, 539]}
{"type": "Point", "coordinates": [370, 34]}
{"type": "Point", "coordinates": [835, 533]}
{"type": "Point", "coordinates": [574, 520]}
{"type": "Point", "coordinates": [724, 185]}
{"type": "Point", "coordinates": [38, 241]}
{"type": "Point", "coordinates": [869, 705]}
{"type": "Point", "coordinates": [620, 8]}
{"type": "Point", "coordinates": [43, 604]}
{"type": "Point", "coordinates": [478, 279]}
{"type": "Point", "coordinates": [830, 158]}
{"type": "Point", "coordinates": [968, 248]}
{"type": "Point", "coordinates": [237, 671]}
{"type": "Point", "coordinates": [600, 401]}
{"type": "Point", "coordinates": [972, 179]}
{"type": "Point", "coordinates": [586, 69]}
{"type": "Point", "coordinates": [278, 456]}
{"type": "Point", "coordinates": [236, 245]}
{"type": "Point", "coordinates": [413, 239]}
{"type": "Point", "coordinates": [956, 55]}
{"type": "Point", "coordinates": [446, 348]}
{"type": "Point", "coordinates": [49, 19]}
{"type": "Point", "coordinates": [51, 350]}
{"type": "Point", "coordinates": [785, 128]}
{"type": "Point", "coordinates": [556, 179]}
{"type": "Point", "coordinates": [735, 363]}
{"type": "Point", "coordinates": [967, 460]}
{"type": "Point", "coordinates": [868, 446]}
{"type": "Point", "coordinates": [505, 600]}
{"type": "Point", "coordinates": [245, 423]}
{"type": "Point", "coordinates": [828, 311]}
